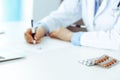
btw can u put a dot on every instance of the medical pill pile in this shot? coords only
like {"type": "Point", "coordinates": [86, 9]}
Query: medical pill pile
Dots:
{"type": "Point", "coordinates": [104, 61]}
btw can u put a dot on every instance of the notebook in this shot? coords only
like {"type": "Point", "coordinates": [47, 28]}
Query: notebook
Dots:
{"type": "Point", "coordinates": [8, 55]}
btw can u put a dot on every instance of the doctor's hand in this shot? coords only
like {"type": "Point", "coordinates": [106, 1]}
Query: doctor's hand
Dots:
{"type": "Point", "coordinates": [62, 34]}
{"type": "Point", "coordinates": [39, 33]}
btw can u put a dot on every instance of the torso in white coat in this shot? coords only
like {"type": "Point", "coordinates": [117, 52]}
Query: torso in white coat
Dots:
{"type": "Point", "coordinates": [104, 27]}
{"type": "Point", "coordinates": [105, 18]}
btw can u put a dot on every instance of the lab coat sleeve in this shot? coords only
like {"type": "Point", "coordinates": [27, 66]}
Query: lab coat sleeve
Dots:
{"type": "Point", "coordinates": [75, 40]}
{"type": "Point", "coordinates": [68, 13]}
{"type": "Point", "coordinates": [103, 39]}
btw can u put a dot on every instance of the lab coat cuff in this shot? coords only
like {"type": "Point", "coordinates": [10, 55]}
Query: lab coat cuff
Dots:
{"type": "Point", "coordinates": [43, 25]}
{"type": "Point", "coordinates": [76, 38]}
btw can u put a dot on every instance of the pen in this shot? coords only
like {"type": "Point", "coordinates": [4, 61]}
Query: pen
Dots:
{"type": "Point", "coordinates": [118, 4]}
{"type": "Point", "coordinates": [33, 31]}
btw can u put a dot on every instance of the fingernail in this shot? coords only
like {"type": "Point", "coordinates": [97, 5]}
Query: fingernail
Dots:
{"type": "Point", "coordinates": [34, 42]}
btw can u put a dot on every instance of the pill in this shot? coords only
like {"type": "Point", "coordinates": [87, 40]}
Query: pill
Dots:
{"type": "Point", "coordinates": [106, 57]}
{"type": "Point", "coordinates": [104, 65]}
{"type": "Point", "coordinates": [114, 60]}
{"type": "Point", "coordinates": [109, 64]}
{"type": "Point", "coordinates": [102, 59]}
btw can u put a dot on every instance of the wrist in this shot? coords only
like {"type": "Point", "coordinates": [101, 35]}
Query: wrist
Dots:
{"type": "Point", "coordinates": [70, 36]}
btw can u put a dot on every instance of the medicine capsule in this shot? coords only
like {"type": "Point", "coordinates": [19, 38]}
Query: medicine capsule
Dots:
{"type": "Point", "coordinates": [114, 60]}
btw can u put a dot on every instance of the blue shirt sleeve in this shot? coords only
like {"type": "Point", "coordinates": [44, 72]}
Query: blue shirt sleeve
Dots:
{"type": "Point", "coordinates": [43, 25]}
{"type": "Point", "coordinates": [76, 38]}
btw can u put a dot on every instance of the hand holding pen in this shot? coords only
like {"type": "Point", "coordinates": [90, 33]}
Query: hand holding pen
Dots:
{"type": "Point", "coordinates": [33, 35]}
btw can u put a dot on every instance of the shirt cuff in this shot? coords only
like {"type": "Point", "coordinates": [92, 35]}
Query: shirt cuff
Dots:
{"type": "Point", "coordinates": [43, 25]}
{"type": "Point", "coordinates": [76, 38]}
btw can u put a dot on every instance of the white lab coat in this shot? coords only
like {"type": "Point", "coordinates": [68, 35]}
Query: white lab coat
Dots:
{"type": "Point", "coordinates": [103, 28]}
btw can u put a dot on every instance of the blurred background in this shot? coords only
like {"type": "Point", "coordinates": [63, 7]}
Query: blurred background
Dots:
{"type": "Point", "coordinates": [24, 10]}
{"type": "Point", "coordinates": [17, 11]}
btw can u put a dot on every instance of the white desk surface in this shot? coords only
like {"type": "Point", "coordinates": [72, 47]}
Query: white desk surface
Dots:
{"type": "Point", "coordinates": [51, 60]}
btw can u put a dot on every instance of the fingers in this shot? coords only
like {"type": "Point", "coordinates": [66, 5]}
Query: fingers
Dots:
{"type": "Point", "coordinates": [53, 34]}
{"type": "Point", "coordinates": [28, 36]}
{"type": "Point", "coordinates": [39, 33]}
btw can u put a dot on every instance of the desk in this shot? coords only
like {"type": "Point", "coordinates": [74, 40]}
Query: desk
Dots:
{"type": "Point", "coordinates": [56, 60]}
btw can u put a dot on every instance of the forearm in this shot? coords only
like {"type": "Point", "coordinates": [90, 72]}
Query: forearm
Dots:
{"type": "Point", "coordinates": [65, 15]}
